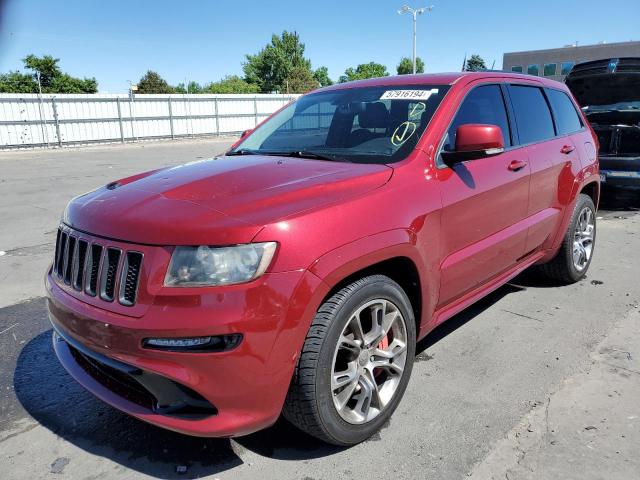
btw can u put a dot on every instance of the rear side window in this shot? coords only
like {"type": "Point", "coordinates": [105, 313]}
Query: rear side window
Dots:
{"type": "Point", "coordinates": [567, 119]}
{"type": "Point", "coordinates": [532, 113]}
{"type": "Point", "coordinates": [483, 105]}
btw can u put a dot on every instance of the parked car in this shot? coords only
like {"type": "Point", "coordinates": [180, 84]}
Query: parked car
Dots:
{"type": "Point", "coordinates": [609, 93]}
{"type": "Point", "coordinates": [295, 273]}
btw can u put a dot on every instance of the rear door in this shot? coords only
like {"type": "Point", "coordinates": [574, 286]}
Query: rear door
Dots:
{"type": "Point", "coordinates": [545, 128]}
{"type": "Point", "coordinates": [484, 201]}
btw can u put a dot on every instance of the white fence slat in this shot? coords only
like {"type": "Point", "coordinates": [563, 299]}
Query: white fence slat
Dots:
{"type": "Point", "coordinates": [27, 120]}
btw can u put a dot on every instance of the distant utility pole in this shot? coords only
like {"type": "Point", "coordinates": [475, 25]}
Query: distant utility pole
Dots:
{"type": "Point", "coordinates": [414, 12]}
{"type": "Point", "coordinates": [132, 116]}
{"type": "Point", "coordinates": [45, 130]}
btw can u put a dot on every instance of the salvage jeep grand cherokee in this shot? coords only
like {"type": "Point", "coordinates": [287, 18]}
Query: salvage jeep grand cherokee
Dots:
{"type": "Point", "coordinates": [295, 273]}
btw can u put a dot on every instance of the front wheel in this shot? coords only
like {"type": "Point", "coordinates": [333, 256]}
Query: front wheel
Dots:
{"type": "Point", "coordinates": [355, 363]}
{"type": "Point", "coordinates": [574, 257]}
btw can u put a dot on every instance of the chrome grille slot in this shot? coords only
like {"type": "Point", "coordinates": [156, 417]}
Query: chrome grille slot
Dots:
{"type": "Point", "coordinates": [57, 254]}
{"type": "Point", "coordinates": [130, 278]}
{"type": "Point", "coordinates": [108, 273]}
{"type": "Point", "coordinates": [62, 248]}
{"type": "Point", "coordinates": [79, 264]}
{"type": "Point", "coordinates": [93, 268]}
{"type": "Point", "coordinates": [68, 258]}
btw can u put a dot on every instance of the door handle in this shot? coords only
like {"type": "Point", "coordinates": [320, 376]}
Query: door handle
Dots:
{"type": "Point", "coordinates": [516, 165]}
{"type": "Point", "coordinates": [567, 149]}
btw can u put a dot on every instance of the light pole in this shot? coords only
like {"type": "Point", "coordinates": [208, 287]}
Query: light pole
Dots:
{"type": "Point", "coordinates": [414, 12]}
{"type": "Point", "coordinates": [132, 116]}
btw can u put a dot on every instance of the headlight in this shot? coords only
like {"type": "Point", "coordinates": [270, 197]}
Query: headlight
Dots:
{"type": "Point", "coordinates": [198, 266]}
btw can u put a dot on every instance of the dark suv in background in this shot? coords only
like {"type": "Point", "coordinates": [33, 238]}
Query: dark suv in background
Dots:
{"type": "Point", "coordinates": [609, 93]}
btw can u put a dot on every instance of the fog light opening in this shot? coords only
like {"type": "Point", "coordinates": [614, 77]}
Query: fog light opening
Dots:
{"type": "Point", "coordinates": [218, 343]}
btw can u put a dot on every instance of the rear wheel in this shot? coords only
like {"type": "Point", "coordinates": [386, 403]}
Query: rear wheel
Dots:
{"type": "Point", "coordinates": [355, 363]}
{"type": "Point", "coordinates": [574, 257]}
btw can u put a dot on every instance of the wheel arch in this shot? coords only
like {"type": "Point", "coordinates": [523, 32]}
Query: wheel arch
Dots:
{"type": "Point", "coordinates": [592, 189]}
{"type": "Point", "coordinates": [391, 254]}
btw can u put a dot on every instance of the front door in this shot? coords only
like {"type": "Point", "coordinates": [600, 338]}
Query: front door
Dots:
{"type": "Point", "coordinates": [484, 201]}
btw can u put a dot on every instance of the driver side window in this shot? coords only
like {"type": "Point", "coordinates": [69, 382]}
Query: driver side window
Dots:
{"type": "Point", "coordinates": [484, 105]}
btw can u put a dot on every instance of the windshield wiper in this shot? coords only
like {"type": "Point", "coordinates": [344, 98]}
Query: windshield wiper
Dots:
{"type": "Point", "coordinates": [310, 155]}
{"type": "Point", "coordinates": [242, 151]}
{"type": "Point", "coordinates": [294, 153]}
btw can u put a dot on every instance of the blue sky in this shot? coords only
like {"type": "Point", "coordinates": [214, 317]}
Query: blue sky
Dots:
{"type": "Point", "coordinates": [116, 41]}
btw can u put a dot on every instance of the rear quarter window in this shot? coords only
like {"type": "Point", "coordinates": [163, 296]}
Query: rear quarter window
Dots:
{"type": "Point", "coordinates": [567, 119]}
{"type": "Point", "coordinates": [532, 114]}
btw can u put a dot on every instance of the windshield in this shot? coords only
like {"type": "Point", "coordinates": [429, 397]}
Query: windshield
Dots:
{"type": "Point", "coordinates": [362, 125]}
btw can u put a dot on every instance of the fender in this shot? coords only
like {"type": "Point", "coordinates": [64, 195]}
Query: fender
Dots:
{"type": "Point", "coordinates": [339, 263]}
{"type": "Point", "coordinates": [587, 176]}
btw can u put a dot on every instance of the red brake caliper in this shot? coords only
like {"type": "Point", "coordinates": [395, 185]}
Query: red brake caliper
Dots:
{"type": "Point", "coordinates": [384, 343]}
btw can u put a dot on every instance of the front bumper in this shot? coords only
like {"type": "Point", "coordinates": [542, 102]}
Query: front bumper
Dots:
{"type": "Point", "coordinates": [620, 171]}
{"type": "Point", "coordinates": [223, 394]}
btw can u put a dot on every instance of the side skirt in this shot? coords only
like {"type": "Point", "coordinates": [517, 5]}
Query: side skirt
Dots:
{"type": "Point", "coordinates": [448, 311]}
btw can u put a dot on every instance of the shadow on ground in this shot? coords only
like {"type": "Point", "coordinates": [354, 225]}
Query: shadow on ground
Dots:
{"type": "Point", "coordinates": [57, 402]}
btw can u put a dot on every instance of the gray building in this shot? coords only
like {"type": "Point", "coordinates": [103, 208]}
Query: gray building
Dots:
{"type": "Point", "coordinates": [555, 63]}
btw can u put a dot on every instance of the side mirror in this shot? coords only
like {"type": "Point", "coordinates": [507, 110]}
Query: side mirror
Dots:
{"type": "Point", "coordinates": [245, 133]}
{"type": "Point", "coordinates": [474, 140]}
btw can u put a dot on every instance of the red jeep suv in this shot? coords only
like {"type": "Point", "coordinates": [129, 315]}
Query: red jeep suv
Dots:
{"type": "Point", "coordinates": [295, 273]}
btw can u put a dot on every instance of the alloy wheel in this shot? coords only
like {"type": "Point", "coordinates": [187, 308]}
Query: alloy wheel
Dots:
{"type": "Point", "coordinates": [583, 239]}
{"type": "Point", "coordinates": [369, 361]}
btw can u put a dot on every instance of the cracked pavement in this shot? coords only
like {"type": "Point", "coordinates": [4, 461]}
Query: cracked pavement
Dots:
{"type": "Point", "coordinates": [534, 382]}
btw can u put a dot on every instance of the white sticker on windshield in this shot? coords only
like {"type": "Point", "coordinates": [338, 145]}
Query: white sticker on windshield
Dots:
{"type": "Point", "coordinates": [408, 94]}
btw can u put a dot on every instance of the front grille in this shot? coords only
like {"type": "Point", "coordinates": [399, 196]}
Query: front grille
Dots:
{"type": "Point", "coordinates": [80, 260]}
{"type": "Point", "coordinates": [93, 268]}
{"type": "Point", "coordinates": [108, 277]}
{"type": "Point", "coordinates": [69, 258]}
{"type": "Point", "coordinates": [130, 276]}
{"type": "Point", "coordinates": [61, 248]}
{"type": "Point", "coordinates": [97, 269]}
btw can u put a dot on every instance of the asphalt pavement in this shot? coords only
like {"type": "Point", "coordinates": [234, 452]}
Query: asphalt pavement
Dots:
{"type": "Point", "coordinates": [536, 381]}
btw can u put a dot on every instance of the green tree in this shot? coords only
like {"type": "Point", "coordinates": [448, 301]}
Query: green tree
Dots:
{"type": "Point", "coordinates": [406, 66]}
{"type": "Point", "coordinates": [322, 76]}
{"type": "Point", "coordinates": [151, 82]}
{"type": "Point", "coordinates": [231, 84]}
{"type": "Point", "coordinates": [52, 79]}
{"type": "Point", "coordinates": [67, 84]}
{"type": "Point", "coordinates": [16, 82]}
{"type": "Point", "coordinates": [364, 70]}
{"type": "Point", "coordinates": [46, 66]}
{"type": "Point", "coordinates": [299, 80]}
{"type": "Point", "coordinates": [192, 87]}
{"type": "Point", "coordinates": [475, 63]}
{"type": "Point", "coordinates": [271, 66]}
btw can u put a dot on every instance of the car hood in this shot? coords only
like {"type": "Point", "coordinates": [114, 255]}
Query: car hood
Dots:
{"type": "Point", "coordinates": [605, 88]}
{"type": "Point", "coordinates": [218, 201]}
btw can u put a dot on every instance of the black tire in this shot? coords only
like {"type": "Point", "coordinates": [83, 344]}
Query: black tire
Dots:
{"type": "Point", "coordinates": [309, 403]}
{"type": "Point", "coordinates": [561, 268]}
